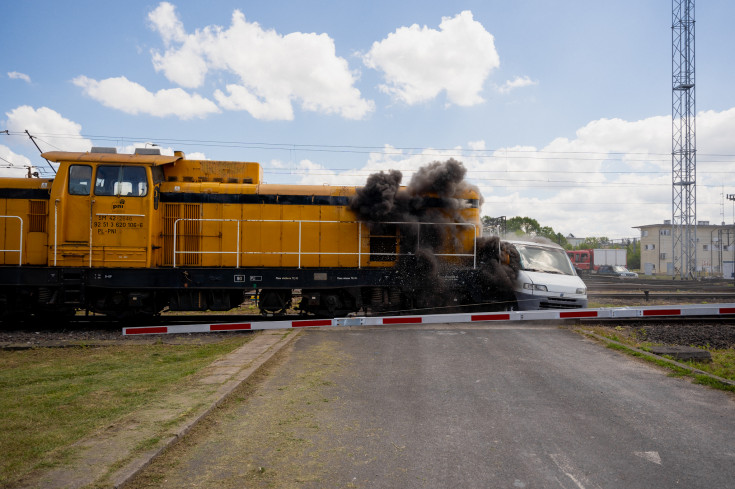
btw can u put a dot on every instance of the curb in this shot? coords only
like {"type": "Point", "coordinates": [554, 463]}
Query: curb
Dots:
{"type": "Point", "coordinates": [131, 469]}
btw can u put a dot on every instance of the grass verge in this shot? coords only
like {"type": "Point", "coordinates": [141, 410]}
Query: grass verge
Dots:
{"type": "Point", "coordinates": [722, 364]}
{"type": "Point", "coordinates": [52, 397]}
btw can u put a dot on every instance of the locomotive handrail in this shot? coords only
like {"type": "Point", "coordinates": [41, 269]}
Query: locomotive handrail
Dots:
{"type": "Point", "coordinates": [359, 253]}
{"type": "Point", "coordinates": [56, 226]}
{"type": "Point", "coordinates": [176, 223]}
{"type": "Point", "coordinates": [20, 245]}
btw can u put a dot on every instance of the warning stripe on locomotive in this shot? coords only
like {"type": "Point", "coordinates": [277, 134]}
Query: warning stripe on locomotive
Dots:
{"type": "Point", "coordinates": [698, 310]}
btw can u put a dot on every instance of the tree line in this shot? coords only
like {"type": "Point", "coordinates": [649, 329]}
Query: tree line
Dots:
{"type": "Point", "coordinates": [526, 226]}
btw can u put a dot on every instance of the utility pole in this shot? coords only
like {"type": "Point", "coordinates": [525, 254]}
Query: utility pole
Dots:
{"type": "Point", "coordinates": [683, 148]}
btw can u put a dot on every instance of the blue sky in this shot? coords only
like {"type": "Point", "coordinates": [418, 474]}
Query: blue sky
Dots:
{"type": "Point", "coordinates": [560, 111]}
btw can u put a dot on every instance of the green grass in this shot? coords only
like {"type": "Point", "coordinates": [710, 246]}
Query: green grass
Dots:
{"type": "Point", "coordinates": [722, 364]}
{"type": "Point", "coordinates": [52, 397]}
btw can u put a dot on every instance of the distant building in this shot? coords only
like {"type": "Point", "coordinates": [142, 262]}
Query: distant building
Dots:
{"type": "Point", "coordinates": [715, 249]}
{"type": "Point", "coordinates": [574, 241]}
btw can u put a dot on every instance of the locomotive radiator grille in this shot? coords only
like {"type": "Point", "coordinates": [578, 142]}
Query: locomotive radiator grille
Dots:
{"type": "Point", "coordinates": [37, 215]}
{"type": "Point", "coordinates": [189, 234]}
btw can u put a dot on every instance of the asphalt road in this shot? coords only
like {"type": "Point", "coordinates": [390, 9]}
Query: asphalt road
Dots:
{"type": "Point", "coordinates": [517, 406]}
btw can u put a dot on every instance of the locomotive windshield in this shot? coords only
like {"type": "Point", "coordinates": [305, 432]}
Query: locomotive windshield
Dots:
{"type": "Point", "coordinates": [124, 181]}
{"type": "Point", "coordinates": [543, 259]}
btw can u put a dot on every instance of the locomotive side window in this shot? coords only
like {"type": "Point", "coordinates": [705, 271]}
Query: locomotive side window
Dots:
{"type": "Point", "coordinates": [133, 181]}
{"type": "Point", "coordinates": [121, 181]}
{"type": "Point", "coordinates": [80, 179]}
{"type": "Point", "coordinates": [157, 173]}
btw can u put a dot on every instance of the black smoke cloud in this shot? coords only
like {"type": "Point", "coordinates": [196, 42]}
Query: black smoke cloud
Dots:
{"type": "Point", "coordinates": [433, 195]}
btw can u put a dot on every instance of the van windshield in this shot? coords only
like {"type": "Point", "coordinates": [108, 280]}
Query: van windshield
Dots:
{"type": "Point", "coordinates": [542, 259]}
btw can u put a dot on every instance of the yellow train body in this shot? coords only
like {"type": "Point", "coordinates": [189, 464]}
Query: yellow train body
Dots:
{"type": "Point", "coordinates": [113, 210]}
{"type": "Point", "coordinates": [113, 232]}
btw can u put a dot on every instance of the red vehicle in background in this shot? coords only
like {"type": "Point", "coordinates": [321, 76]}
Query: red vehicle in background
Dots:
{"type": "Point", "coordinates": [587, 261]}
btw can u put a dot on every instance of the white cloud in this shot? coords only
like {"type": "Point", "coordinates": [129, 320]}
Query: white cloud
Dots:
{"type": "Point", "coordinates": [163, 19]}
{"type": "Point", "coordinates": [12, 164]}
{"type": "Point", "coordinates": [476, 145]}
{"type": "Point", "coordinates": [313, 173]}
{"type": "Point", "coordinates": [130, 97]}
{"type": "Point", "coordinates": [715, 130]}
{"type": "Point", "coordinates": [19, 76]}
{"type": "Point", "coordinates": [184, 66]}
{"type": "Point", "coordinates": [274, 70]}
{"type": "Point", "coordinates": [612, 175]}
{"type": "Point", "coordinates": [419, 62]}
{"type": "Point", "coordinates": [517, 82]}
{"type": "Point", "coordinates": [51, 130]}
{"type": "Point", "coordinates": [263, 108]}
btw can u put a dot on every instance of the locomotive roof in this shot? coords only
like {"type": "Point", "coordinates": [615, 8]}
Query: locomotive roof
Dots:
{"type": "Point", "coordinates": [177, 168]}
{"type": "Point", "coordinates": [154, 160]}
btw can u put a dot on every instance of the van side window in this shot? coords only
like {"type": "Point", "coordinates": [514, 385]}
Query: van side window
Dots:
{"type": "Point", "coordinates": [80, 179]}
{"type": "Point", "coordinates": [122, 181]}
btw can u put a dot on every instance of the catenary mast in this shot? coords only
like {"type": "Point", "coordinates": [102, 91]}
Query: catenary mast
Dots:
{"type": "Point", "coordinates": [683, 149]}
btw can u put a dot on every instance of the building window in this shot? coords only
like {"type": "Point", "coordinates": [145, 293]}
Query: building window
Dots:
{"type": "Point", "coordinates": [665, 232]}
{"type": "Point", "coordinates": [662, 256]}
{"type": "Point", "coordinates": [644, 234]}
{"type": "Point", "coordinates": [650, 247]}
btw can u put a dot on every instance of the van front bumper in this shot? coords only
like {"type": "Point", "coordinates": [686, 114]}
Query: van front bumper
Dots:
{"type": "Point", "coordinates": [534, 302]}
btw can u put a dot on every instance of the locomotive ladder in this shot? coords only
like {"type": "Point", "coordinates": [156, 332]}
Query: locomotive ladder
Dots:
{"type": "Point", "coordinates": [72, 287]}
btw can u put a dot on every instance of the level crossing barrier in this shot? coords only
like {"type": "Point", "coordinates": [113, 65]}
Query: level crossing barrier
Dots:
{"type": "Point", "coordinates": [698, 310]}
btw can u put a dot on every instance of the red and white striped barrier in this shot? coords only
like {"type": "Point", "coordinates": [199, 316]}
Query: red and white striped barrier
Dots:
{"type": "Point", "coordinates": [700, 310]}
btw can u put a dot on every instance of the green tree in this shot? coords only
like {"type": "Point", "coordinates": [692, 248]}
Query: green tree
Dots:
{"type": "Point", "coordinates": [531, 227]}
{"type": "Point", "coordinates": [591, 243]}
{"type": "Point", "coordinates": [523, 225]}
{"type": "Point", "coordinates": [634, 255]}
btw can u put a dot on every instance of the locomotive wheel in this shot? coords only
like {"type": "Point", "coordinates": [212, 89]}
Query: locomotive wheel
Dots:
{"type": "Point", "coordinates": [274, 302]}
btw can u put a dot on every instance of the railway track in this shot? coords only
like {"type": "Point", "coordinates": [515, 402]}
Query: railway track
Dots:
{"type": "Point", "coordinates": [673, 297]}
{"type": "Point", "coordinates": [641, 291]}
{"type": "Point", "coordinates": [613, 291]}
{"type": "Point", "coordinates": [711, 286]}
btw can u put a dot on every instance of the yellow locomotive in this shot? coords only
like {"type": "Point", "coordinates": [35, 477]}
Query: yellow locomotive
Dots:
{"type": "Point", "coordinates": [137, 233]}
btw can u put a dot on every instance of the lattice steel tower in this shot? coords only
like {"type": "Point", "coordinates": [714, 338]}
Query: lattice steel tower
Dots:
{"type": "Point", "coordinates": [684, 142]}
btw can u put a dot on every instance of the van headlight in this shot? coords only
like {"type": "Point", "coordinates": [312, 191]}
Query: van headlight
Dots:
{"type": "Point", "coordinates": [581, 291]}
{"type": "Point", "coordinates": [539, 287]}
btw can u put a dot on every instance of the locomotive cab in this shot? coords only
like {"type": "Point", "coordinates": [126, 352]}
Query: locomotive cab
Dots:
{"type": "Point", "coordinates": [101, 205]}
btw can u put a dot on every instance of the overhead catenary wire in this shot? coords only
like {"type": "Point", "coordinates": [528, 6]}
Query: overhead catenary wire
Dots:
{"type": "Point", "coordinates": [393, 150]}
{"type": "Point", "coordinates": [537, 155]}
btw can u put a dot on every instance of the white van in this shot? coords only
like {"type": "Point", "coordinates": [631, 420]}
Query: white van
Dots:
{"type": "Point", "coordinates": [547, 279]}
